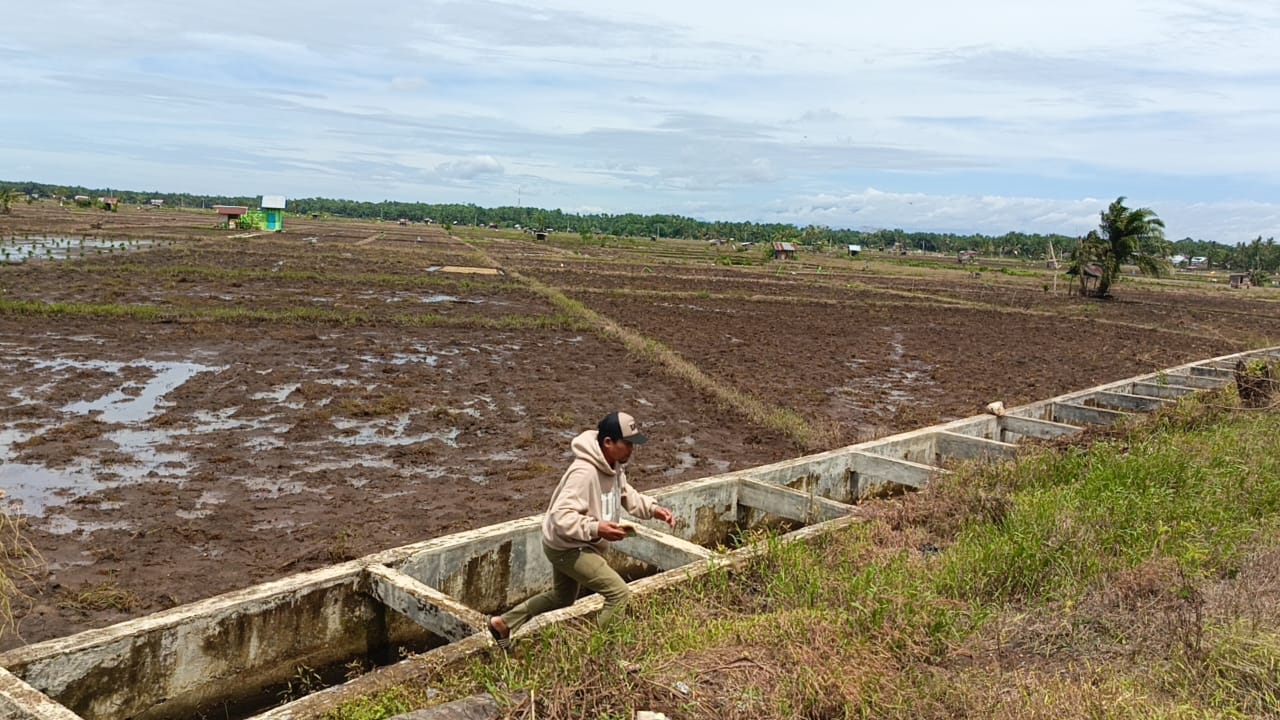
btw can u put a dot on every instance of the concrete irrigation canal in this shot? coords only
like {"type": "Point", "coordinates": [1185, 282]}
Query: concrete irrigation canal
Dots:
{"type": "Point", "coordinates": [231, 654]}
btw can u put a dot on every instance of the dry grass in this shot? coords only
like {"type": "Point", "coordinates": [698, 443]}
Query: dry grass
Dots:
{"type": "Point", "coordinates": [18, 562]}
{"type": "Point", "coordinates": [103, 596]}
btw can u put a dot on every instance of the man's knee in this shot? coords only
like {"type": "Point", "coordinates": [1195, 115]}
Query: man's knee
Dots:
{"type": "Point", "coordinates": [617, 594]}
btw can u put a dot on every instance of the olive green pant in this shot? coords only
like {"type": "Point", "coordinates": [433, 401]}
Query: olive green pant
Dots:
{"type": "Point", "coordinates": [569, 570]}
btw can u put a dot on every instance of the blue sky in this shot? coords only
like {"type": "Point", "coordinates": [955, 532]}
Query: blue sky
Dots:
{"type": "Point", "coordinates": [983, 116]}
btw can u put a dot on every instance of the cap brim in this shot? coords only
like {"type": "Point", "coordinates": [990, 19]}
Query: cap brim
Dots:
{"type": "Point", "coordinates": [637, 439]}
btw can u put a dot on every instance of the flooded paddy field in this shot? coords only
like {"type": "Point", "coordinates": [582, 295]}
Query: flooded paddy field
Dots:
{"type": "Point", "coordinates": [218, 408]}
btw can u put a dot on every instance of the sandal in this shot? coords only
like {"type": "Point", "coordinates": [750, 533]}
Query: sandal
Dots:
{"type": "Point", "coordinates": [503, 641]}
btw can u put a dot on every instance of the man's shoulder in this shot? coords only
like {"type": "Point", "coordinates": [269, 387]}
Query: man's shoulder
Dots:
{"type": "Point", "coordinates": [580, 467]}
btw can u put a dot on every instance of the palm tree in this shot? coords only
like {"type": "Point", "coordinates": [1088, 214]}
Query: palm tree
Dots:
{"type": "Point", "coordinates": [1128, 236]}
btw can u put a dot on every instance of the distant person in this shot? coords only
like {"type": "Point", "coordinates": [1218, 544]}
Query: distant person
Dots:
{"type": "Point", "coordinates": [581, 520]}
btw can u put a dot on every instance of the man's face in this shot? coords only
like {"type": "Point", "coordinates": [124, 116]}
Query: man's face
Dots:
{"type": "Point", "coordinates": [617, 451]}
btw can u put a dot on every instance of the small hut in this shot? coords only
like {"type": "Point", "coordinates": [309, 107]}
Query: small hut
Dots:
{"type": "Point", "coordinates": [230, 214]}
{"type": "Point", "coordinates": [784, 251]}
{"type": "Point", "coordinates": [1090, 276]}
{"type": "Point", "coordinates": [1240, 280]}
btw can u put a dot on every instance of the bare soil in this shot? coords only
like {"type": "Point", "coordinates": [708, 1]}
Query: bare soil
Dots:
{"type": "Point", "coordinates": [217, 410]}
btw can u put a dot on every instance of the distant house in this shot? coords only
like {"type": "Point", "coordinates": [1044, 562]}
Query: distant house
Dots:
{"type": "Point", "coordinates": [966, 256]}
{"type": "Point", "coordinates": [854, 250]}
{"type": "Point", "coordinates": [81, 198]}
{"type": "Point", "coordinates": [1240, 280]}
{"type": "Point", "coordinates": [109, 203]}
{"type": "Point", "coordinates": [273, 209]}
{"type": "Point", "coordinates": [1198, 263]}
{"type": "Point", "coordinates": [784, 251]}
{"type": "Point", "coordinates": [155, 202]}
{"type": "Point", "coordinates": [230, 214]}
{"type": "Point", "coordinates": [541, 237]}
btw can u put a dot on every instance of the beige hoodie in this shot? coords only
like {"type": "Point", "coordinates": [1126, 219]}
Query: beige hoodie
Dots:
{"type": "Point", "coordinates": [577, 506]}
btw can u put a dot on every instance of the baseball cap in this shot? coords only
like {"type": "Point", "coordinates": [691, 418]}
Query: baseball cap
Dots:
{"type": "Point", "coordinates": [620, 426]}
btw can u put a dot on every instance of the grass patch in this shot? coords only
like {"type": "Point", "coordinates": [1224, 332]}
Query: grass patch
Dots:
{"type": "Point", "coordinates": [387, 703]}
{"type": "Point", "coordinates": [1137, 578]}
{"type": "Point", "coordinates": [290, 316]}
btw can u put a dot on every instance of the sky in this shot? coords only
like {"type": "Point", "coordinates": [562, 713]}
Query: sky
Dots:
{"type": "Point", "coordinates": [984, 116]}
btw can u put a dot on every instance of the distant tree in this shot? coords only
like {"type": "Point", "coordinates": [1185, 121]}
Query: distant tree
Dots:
{"type": "Point", "coordinates": [1127, 236]}
{"type": "Point", "coordinates": [7, 196]}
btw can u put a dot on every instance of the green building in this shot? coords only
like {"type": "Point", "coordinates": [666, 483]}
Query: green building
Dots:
{"type": "Point", "coordinates": [273, 210]}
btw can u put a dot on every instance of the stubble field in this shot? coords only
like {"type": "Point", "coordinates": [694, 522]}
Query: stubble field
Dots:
{"type": "Point", "coordinates": [211, 409]}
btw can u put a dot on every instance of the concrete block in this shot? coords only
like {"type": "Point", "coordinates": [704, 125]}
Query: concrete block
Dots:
{"type": "Point", "coordinates": [1035, 428]}
{"type": "Point", "coordinates": [433, 610]}
{"type": "Point", "coordinates": [1210, 371]}
{"type": "Point", "coordinates": [661, 550]}
{"type": "Point", "coordinates": [954, 446]}
{"type": "Point", "coordinates": [1083, 415]}
{"type": "Point", "coordinates": [1160, 390]}
{"type": "Point", "coordinates": [875, 470]}
{"type": "Point", "coordinates": [791, 504]}
{"type": "Point", "coordinates": [1195, 382]}
{"type": "Point", "coordinates": [1128, 402]}
{"type": "Point", "coordinates": [20, 701]}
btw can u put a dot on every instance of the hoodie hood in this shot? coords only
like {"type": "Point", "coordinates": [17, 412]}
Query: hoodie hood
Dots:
{"type": "Point", "coordinates": [587, 447]}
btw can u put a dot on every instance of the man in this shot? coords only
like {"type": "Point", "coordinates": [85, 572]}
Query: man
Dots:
{"type": "Point", "coordinates": [581, 520]}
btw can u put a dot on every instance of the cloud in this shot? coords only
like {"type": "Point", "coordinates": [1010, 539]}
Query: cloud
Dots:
{"type": "Point", "coordinates": [984, 116]}
{"type": "Point", "coordinates": [408, 84]}
{"type": "Point", "coordinates": [470, 168]}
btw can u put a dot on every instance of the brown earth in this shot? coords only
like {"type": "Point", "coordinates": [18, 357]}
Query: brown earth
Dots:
{"type": "Point", "coordinates": [217, 411]}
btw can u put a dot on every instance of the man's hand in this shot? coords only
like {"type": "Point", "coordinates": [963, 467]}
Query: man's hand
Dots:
{"type": "Point", "coordinates": [665, 516]}
{"type": "Point", "coordinates": [610, 531]}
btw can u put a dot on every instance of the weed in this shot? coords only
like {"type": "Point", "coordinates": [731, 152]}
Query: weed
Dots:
{"type": "Point", "coordinates": [304, 682]}
{"type": "Point", "coordinates": [375, 406]}
{"type": "Point", "coordinates": [387, 703]}
{"type": "Point", "coordinates": [103, 596]}
{"type": "Point", "coordinates": [340, 547]}
{"type": "Point", "coordinates": [18, 561]}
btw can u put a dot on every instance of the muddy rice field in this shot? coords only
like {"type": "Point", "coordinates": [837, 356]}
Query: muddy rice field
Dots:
{"type": "Point", "coordinates": [188, 410]}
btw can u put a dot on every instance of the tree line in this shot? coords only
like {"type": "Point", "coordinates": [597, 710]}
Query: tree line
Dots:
{"type": "Point", "coordinates": [1259, 254]}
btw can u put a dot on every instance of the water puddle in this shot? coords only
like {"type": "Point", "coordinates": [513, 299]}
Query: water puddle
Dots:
{"type": "Point", "coordinates": [389, 432]}
{"type": "Point", "coordinates": [18, 250]}
{"type": "Point", "coordinates": [32, 489]}
{"type": "Point", "coordinates": [684, 461]}
{"type": "Point", "coordinates": [63, 525]}
{"type": "Point", "coordinates": [278, 393]}
{"type": "Point", "coordinates": [446, 299]}
{"type": "Point", "coordinates": [133, 402]}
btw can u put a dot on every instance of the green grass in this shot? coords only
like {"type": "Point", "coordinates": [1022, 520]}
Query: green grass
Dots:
{"type": "Point", "coordinates": [296, 315]}
{"type": "Point", "coordinates": [1137, 578]}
